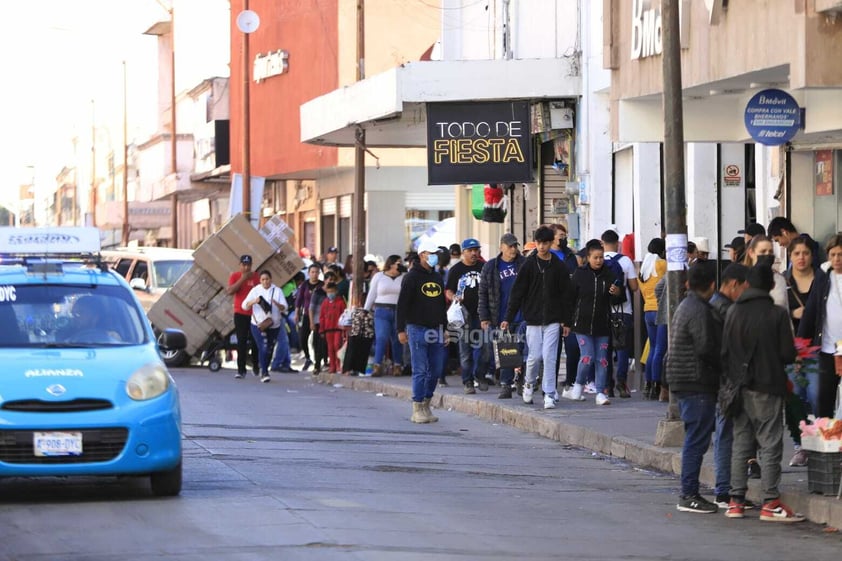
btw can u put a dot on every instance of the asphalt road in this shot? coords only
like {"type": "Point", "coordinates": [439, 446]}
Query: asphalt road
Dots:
{"type": "Point", "coordinates": [294, 470]}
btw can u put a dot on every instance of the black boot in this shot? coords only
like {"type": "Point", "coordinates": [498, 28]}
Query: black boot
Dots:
{"type": "Point", "coordinates": [656, 391]}
{"type": "Point", "coordinates": [647, 390]}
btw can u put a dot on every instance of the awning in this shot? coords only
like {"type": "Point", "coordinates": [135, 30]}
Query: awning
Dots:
{"type": "Point", "coordinates": [391, 106]}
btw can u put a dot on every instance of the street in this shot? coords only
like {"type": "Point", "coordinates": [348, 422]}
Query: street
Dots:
{"type": "Point", "coordinates": [294, 470]}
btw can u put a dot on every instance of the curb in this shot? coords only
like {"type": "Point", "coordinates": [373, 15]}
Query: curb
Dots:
{"type": "Point", "coordinates": [817, 508]}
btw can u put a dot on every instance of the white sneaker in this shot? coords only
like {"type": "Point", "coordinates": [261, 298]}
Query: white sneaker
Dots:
{"type": "Point", "coordinates": [527, 393]}
{"type": "Point", "coordinates": [590, 388]}
{"type": "Point", "coordinates": [549, 402]}
{"type": "Point", "coordinates": [574, 393]}
{"type": "Point", "coordinates": [602, 399]}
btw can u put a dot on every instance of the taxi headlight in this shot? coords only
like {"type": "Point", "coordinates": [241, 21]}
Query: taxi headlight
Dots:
{"type": "Point", "coordinates": [149, 381]}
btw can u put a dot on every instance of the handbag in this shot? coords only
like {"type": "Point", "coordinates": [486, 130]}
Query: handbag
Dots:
{"type": "Point", "coordinates": [455, 315]}
{"type": "Point", "coordinates": [617, 325]}
{"type": "Point", "coordinates": [346, 317]}
{"type": "Point", "coordinates": [507, 352]}
{"type": "Point", "coordinates": [730, 398]}
{"type": "Point", "coordinates": [265, 324]}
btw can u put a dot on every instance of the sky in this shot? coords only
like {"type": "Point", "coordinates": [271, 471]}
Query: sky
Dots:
{"type": "Point", "coordinates": [58, 55]}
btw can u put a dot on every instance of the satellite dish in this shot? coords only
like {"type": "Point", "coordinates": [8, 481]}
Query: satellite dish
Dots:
{"type": "Point", "coordinates": [248, 21]}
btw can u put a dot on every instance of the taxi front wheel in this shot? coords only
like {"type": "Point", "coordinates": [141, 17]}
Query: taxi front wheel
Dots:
{"type": "Point", "coordinates": [166, 483]}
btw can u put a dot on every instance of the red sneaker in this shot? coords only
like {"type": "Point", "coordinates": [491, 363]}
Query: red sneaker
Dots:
{"type": "Point", "coordinates": [736, 509]}
{"type": "Point", "coordinates": [776, 511]}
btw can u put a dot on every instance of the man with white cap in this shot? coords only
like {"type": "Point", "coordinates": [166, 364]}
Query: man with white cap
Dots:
{"type": "Point", "coordinates": [421, 321]}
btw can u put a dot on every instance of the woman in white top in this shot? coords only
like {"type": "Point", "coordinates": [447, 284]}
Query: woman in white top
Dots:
{"type": "Point", "coordinates": [383, 295]}
{"type": "Point", "coordinates": [822, 324]}
{"type": "Point", "coordinates": [761, 250]}
{"type": "Point", "coordinates": [266, 302]}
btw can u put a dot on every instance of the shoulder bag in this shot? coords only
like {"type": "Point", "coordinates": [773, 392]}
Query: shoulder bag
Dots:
{"type": "Point", "coordinates": [730, 398]}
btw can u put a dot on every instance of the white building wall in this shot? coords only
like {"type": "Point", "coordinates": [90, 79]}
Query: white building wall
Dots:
{"type": "Point", "coordinates": [701, 192]}
{"type": "Point", "coordinates": [647, 197]}
{"type": "Point", "coordinates": [732, 206]}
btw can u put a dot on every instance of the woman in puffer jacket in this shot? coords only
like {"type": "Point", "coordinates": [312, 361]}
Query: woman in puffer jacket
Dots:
{"type": "Point", "coordinates": [593, 287]}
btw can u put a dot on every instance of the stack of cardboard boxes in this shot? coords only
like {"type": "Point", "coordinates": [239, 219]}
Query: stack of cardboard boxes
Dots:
{"type": "Point", "coordinates": [198, 304]}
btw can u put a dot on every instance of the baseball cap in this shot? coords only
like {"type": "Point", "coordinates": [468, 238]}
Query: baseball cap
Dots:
{"type": "Point", "coordinates": [509, 239]}
{"type": "Point", "coordinates": [754, 229]}
{"type": "Point", "coordinates": [737, 243]}
{"type": "Point", "coordinates": [428, 245]}
{"type": "Point", "coordinates": [332, 249]}
{"type": "Point", "coordinates": [245, 259]}
{"type": "Point", "coordinates": [470, 243]}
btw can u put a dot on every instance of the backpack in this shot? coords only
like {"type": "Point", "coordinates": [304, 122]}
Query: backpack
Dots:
{"type": "Point", "coordinates": [613, 264]}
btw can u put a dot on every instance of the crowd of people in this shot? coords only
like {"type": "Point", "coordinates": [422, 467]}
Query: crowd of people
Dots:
{"type": "Point", "coordinates": [444, 310]}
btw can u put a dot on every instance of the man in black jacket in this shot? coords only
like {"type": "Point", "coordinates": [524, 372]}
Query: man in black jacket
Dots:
{"type": "Point", "coordinates": [541, 292]}
{"type": "Point", "coordinates": [692, 369]}
{"type": "Point", "coordinates": [421, 319]}
{"type": "Point", "coordinates": [758, 343]}
{"type": "Point", "coordinates": [497, 279]}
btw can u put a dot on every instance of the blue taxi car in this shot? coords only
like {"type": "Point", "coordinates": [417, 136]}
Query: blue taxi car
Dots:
{"type": "Point", "coordinates": [84, 388]}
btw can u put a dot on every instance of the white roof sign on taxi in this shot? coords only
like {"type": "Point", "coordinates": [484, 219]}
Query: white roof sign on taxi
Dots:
{"type": "Point", "coordinates": [45, 241]}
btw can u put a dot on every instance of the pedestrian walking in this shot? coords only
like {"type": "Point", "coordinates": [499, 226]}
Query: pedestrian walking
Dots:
{"type": "Point", "coordinates": [240, 284]}
{"type": "Point", "coordinates": [628, 284]}
{"type": "Point", "coordinates": [652, 270]}
{"type": "Point", "coordinates": [541, 293]}
{"type": "Point", "coordinates": [593, 287]}
{"type": "Point", "coordinates": [463, 281]}
{"type": "Point", "coordinates": [383, 299]}
{"type": "Point", "coordinates": [757, 344]}
{"type": "Point", "coordinates": [421, 321]}
{"type": "Point", "coordinates": [302, 310]}
{"type": "Point", "coordinates": [495, 287]}
{"type": "Point", "coordinates": [693, 371]}
{"type": "Point", "coordinates": [266, 302]}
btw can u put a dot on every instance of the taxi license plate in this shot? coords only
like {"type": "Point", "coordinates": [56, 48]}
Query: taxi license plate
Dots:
{"type": "Point", "coordinates": [57, 443]}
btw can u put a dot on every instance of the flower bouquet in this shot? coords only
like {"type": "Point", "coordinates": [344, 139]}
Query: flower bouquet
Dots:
{"type": "Point", "coordinates": [806, 362]}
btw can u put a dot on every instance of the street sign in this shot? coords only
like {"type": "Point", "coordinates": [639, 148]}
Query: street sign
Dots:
{"type": "Point", "coordinates": [772, 117]}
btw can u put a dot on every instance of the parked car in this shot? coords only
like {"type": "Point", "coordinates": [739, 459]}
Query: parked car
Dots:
{"type": "Point", "coordinates": [151, 271]}
{"type": "Point", "coordinates": [85, 390]}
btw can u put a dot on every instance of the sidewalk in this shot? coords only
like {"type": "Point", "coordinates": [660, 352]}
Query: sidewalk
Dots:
{"type": "Point", "coordinates": [625, 429]}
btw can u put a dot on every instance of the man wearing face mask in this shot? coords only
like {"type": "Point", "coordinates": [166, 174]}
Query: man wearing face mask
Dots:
{"type": "Point", "coordinates": [421, 319]}
{"type": "Point", "coordinates": [570, 344]}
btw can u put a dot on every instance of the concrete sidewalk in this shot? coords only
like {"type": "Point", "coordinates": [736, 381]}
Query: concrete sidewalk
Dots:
{"type": "Point", "coordinates": [625, 429]}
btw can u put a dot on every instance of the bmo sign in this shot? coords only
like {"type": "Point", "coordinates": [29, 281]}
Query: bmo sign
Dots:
{"type": "Point", "coordinates": [646, 32]}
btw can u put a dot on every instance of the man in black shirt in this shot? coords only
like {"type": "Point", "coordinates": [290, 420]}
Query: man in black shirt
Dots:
{"type": "Point", "coordinates": [463, 286]}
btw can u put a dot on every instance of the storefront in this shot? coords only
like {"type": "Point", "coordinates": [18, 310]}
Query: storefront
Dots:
{"type": "Point", "coordinates": [730, 52]}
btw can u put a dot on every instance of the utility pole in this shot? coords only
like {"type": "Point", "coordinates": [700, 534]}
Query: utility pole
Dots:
{"type": "Point", "coordinates": [358, 247]}
{"type": "Point", "coordinates": [93, 197]}
{"type": "Point", "coordinates": [125, 239]}
{"type": "Point", "coordinates": [173, 138]}
{"type": "Point", "coordinates": [670, 430]}
{"type": "Point", "coordinates": [247, 211]}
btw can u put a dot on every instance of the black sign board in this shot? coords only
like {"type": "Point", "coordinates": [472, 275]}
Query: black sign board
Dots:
{"type": "Point", "coordinates": [478, 142]}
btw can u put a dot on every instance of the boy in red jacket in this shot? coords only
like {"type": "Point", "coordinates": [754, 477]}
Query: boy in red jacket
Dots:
{"type": "Point", "coordinates": [329, 314]}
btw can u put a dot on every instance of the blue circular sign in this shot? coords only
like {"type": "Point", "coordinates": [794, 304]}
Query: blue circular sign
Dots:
{"type": "Point", "coordinates": [772, 117]}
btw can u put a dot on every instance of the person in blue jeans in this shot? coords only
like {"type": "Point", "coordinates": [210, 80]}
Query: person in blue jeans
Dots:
{"type": "Point", "coordinates": [463, 282]}
{"type": "Point", "coordinates": [281, 357]}
{"type": "Point", "coordinates": [421, 322]}
{"type": "Point", "coordinates": [693, 371]}
{"type": "Point", "coordinates": [593, 287]}
{"type": "Point", "coordinates": [497, 279]}
{"type": "Point", "coordinates": [383, 295]}
{"type": "Point", "coordinates": [611, 244]}
{"type": "Point", "coordinates": [733, 283]}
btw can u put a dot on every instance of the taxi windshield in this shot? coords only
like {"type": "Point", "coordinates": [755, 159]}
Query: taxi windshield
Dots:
{"type": "Point", "coordinates": [69, 316]}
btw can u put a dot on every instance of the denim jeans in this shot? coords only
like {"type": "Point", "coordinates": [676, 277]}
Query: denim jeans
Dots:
{"type": "Point", "coordinates": [652, 333]}
{"type": "Point", "coordinates": [281, 357]}
{"type": "Point", "coordinates": [385, 332]}
{"type": "Point", "coordinates": [426, 351]}
{"type": "Point", "coordinates": [698, 411]}
{"type": "Point", "coordinates": [543, 342]}
{"type": "Point", "coordinates": [262, 339]}
{"type": "Point", "coordinates": [656, 355]}
{"type": "Point", "coordinates": [723, 441]}
{"type": "Point", "coordinates": [759, 426]}
{"type": "Point", "coordinates": [292, 331]}
{"type": "Point", "coordinates": [810, 394]}
{"type": "Point", "coordinates": [593, 356]}
{"type": "Point", "coordinates": [471, 356]}
{"type": "Point", "coordinates": [623, 355]}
